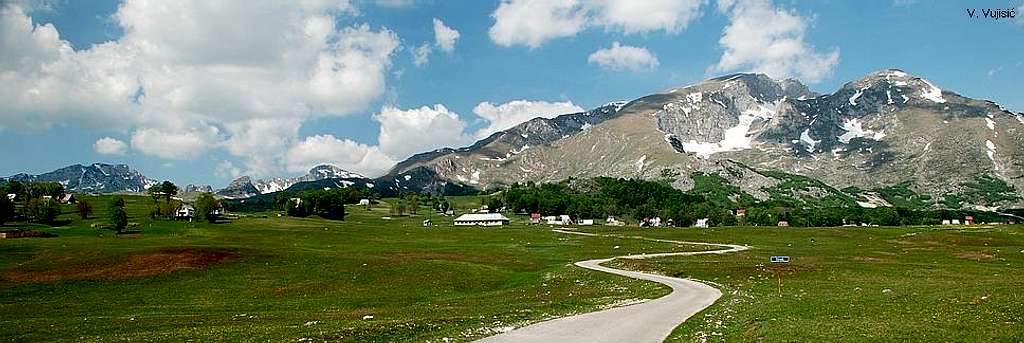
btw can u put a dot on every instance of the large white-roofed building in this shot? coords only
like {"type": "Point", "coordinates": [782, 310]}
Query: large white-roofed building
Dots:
{"type": "Point", "coordinates": [481, 219]}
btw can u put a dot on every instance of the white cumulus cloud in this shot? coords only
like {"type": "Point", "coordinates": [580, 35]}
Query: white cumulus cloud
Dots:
{"type": "Point", "coordinates": [444, 36]}
{"type": "Point", "coordinates": [110, 146]}
{"type": "Point", "coordinates": [344, 153]}
{"type": "Point", "coordinates": [407, 132]}
{"type": "Point", "coordinates": [189, 76]}
{"type": "Point", "coordinates": [632, 16]}
{"type": "Point", "coordinates": [533, 22]}
{"type": "Point", "coordinates": [512, 113]}
{"type": "Point", "coordinates": [177, 145]}
{"type": "Point", "coordinates": [763, 38]}
{"type": "Point", "coordinates": [624, 57]}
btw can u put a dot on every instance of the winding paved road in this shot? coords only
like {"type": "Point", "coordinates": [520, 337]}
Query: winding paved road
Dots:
{"type": "Point", "coordinates": [650, 321]}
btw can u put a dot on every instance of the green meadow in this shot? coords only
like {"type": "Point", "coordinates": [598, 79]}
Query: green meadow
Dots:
{"type": "Point", "coordinates": [263, 277]}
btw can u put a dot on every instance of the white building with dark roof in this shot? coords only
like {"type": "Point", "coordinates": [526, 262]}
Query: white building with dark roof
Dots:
{"type": "Point", "coordinates": [481, 219]}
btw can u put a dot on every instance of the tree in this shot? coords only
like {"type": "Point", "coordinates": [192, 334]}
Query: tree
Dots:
{"type": "Point", "coordinates": [6, 209]}
{"type": "Point", "coordinates": [206, 206]}
{"type": "Point", "coordinates": [330, 204]}
{"type": "Point", "coordinates": [169, 189]}
{"type": "Point", "coordinates": [164, 190]}
{"type": "Point", "coordinates": [43, 210]}
{"type": "Point", "coordinates": [14, 187]}
{"type": "Point", "coordinates": [118, 217]}
{"type": "Point", "coordinates": [84, 209]}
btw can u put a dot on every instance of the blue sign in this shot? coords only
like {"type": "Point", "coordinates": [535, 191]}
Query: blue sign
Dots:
{"type": "Point", "coordinates": [780, 259]}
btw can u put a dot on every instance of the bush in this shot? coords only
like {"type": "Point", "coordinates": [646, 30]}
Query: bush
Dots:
{"type": "Point", "coordinates": [6, 209]}
{"type": "Point", "coordinates": [118, 217]}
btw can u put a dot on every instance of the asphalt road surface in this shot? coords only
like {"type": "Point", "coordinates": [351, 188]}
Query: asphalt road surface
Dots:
{"type": "Point", "coordinates": [650, 321]}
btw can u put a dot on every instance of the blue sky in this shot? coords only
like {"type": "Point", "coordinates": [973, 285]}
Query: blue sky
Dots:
{"type": "Point", "coordinates": [148, 89]}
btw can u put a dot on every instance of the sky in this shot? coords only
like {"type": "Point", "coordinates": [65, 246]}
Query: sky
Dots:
{"type": "Point", "coordinates": [201, 92]}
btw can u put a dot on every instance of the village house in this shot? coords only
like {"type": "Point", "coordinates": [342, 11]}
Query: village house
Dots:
{"type": "Point", "coordinates": [559, 220]}
{"type": "Point", "coordinates": [969, 220]}
{"type": "Point", "coordinates": [67, 199]}
{"type": "Point", "coordinates": [651, 222]}
{"type": "Point", "coordinates": [783, 223]}
{"type": "Point", "coordinates": [481, 219]}
{"type": "Point", "coordinates": [11, 196]}
{"type": "Point", "coordinates": [586, 222]}
{"type": "Point", "coordinates": [184, 212]}
{"type": "Point", "coordinates": [701, 223]}
{"type": "Point", "coordinates": [534, 218]}
{"type": "Point", "coordinates": [364, 202]}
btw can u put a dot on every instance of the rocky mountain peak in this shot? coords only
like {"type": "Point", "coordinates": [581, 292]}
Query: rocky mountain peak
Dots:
{"type": "Point", "coordinates": [327, 171]}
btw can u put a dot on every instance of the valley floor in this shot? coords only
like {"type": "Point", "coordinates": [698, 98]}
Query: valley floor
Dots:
{"type": "Point", "coordinates": [269, 278]}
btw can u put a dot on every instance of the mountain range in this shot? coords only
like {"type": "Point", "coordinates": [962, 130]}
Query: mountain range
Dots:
{"type": "Point", "coordinates": [888, 138]}
{"type": "Point", "coordinates": [94, 178]}
{"type": "Point", "coordinates": [245, 186]}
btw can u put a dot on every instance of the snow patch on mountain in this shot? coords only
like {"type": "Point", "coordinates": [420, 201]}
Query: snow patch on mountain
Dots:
{"type": "Point", "coordinates": [932, 93]}
{"type": "Point", "coordinates": [639, 165]}
{"type": "Point", "coordinates": [854, 129]}
{"type": "Point", "coordinates": [806, 138]}
{"type": "Point", "coordinates": [853, 99]}
{"type": "Point", "coordinates": [734, 138]}
{"type": "Point", "coordinates": [991, 152]}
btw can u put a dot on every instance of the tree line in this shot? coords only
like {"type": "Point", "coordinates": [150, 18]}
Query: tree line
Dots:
{"type": "Point", "coordinates": [634, 199]}
{"type": "Point", "coordinates": [36, 201]}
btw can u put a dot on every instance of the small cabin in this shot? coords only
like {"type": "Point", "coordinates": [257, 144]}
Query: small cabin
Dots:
{"type": "Point", "coordinates": [969, 220]}
{"type": "Point", "coordinates": [742, 212]}
{"type": "Point", "coordinates": [364, 202]}
{"type": "Point", "coordinates": [783, 223]}
{"type": "Point", "coordinates": [186, 211]}
{"type": "Point", "coordinates": [534, 218]}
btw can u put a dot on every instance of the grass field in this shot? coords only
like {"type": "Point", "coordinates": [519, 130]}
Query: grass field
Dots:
{"type": "Point", "coordinates": [856, 284]}
{"type": "Point", "coordinates": [263, 277]}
